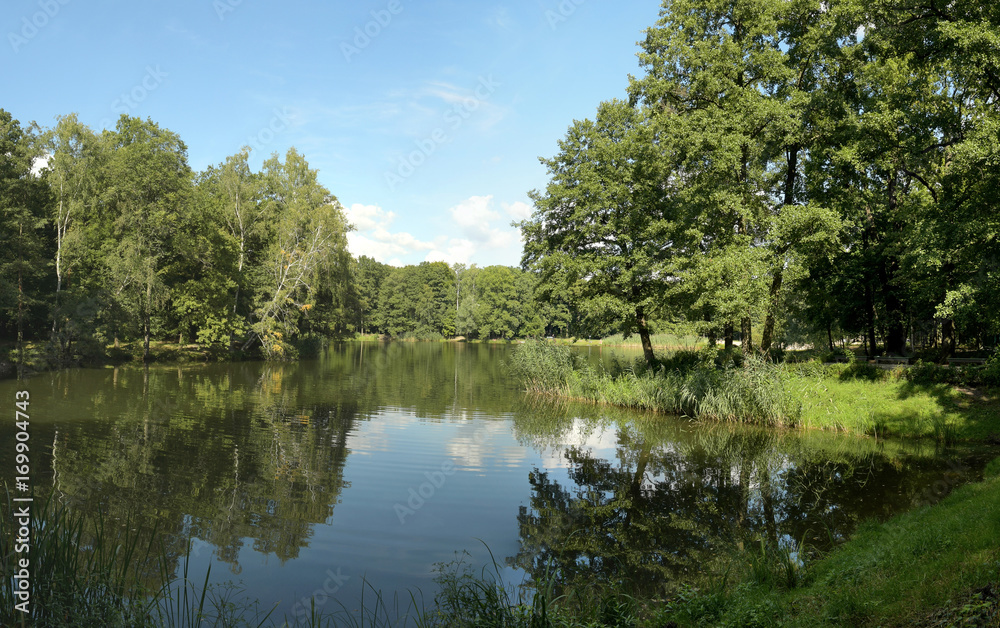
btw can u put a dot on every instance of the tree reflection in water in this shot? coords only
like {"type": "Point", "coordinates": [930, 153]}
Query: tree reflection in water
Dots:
{"type": "Point", "coordinates": [680, 502]}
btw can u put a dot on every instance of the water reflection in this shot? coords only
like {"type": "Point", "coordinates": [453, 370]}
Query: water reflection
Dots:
{"type": "Point", "coordinates": [285, 472]}
{"type": "Point", "coordinates": [651, 502]}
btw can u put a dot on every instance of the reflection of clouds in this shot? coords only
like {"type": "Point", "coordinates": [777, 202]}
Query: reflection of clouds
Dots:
{"type": "Point", "coordinates": [368, 437]}
{"type": "Point", "coordinates": [600, 441]}
{"type": "Point", "coordinates": [477, 441]}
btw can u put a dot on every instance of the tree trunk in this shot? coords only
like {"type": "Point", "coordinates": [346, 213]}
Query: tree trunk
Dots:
{"type": "Point", "coordinates": [145, 324]}
{"type": "Point", "coordinates": [870, 321]}
{"type": "Point", "coordinates": [746, 335]}
{"type": "Point", "coordinates": [791, 172]}
{"type": "Point", "coordinates": [767, 336]}
{"type": "Point", "coordinates": [947, 339]}
{"type": "Point", "coordinates": [145, 338]}
{"type": "Point", "coordinates": [713, 332]}
{"type": "Point", "coordinates": [727, 332]}
{"type": "Point", "coordinates": [643, 328]}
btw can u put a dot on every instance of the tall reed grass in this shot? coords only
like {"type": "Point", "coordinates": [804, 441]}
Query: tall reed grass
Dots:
{"type": "Point", "coordinates": [686, 383]}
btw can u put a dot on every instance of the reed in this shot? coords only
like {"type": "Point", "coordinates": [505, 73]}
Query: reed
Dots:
{"type": "Point", "coordinates": [756, 392]}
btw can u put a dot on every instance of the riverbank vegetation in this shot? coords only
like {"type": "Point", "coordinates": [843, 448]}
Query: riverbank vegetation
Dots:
{"type": "Point", "coordinates": [861, 398]}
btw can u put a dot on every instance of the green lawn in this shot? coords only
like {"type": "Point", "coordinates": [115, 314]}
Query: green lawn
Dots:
{"type": "Point", "coordinates": [898, 408]}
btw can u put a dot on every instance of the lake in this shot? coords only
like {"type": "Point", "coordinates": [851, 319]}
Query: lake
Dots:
{"type": "Point", "coordinates": [377, 463]}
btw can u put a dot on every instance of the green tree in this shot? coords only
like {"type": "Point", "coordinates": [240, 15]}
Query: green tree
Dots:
{"type": "Point", "coordinates": [74, 160]}
{"type": "Point", "coordinates": [369, 275]}
{"type": "Point", "coordinates": [23, 252]}
{"type": "Point", "coordinates": [310, 238]}
{"type": "Point", "coordinates": [505, 307]}
{"type": "Point", "coordinates": [605, 221]}
{"type": "Point", "coordinates": [466, 300]}
{"type": "Point", "coordinates": [146, 191]}
{"type": "Point", "coordinates": [729, 88]}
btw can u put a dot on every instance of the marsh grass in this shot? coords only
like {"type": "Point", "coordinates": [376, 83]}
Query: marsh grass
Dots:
{"type": "Point", "coordinates": [81, 573]}
{"type": "Point", "coordinates": [686, 383]}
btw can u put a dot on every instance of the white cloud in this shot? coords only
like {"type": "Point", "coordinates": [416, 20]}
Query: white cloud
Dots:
{"type": "Point", "coordinates": [457, 251]}
{"type": "Point", "coordinates": [366, 217]}
{"type": "Point", "coordinates": [474, 215]}
{"type": "Point", "coordinates": [374, 239]}
{"type": "Point", "coordinates": [474, 232]}
{"type": "Point", "coordinates": [518, 210]}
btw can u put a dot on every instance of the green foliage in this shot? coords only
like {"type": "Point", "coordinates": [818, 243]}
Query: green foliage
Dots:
{"type": "Point", "coordinates": [602, 223]}
{"type": "Point", "coordinates": [417, 301]}
{"type": "Point", "coordinates": [24, 248]}
{"type": "Point", "coordinates": [929, 373]}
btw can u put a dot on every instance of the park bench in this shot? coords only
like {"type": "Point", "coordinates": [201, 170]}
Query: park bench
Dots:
{"type": "Point", "coordinates": [952, 361]}
{"type": "Point", "coordinates": [883, 359]}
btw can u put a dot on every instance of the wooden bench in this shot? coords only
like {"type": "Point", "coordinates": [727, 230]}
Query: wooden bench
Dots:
{"type": "Point", "coordinates": [952, 361]}
{"type": "Point", "coordinates": [882, 359]}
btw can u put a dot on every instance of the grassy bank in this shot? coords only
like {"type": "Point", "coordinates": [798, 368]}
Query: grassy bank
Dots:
{"type": "Point", "coordinates": [686, 383]}
{"type": "Point", "coordinates": [935, 566]}
{"type": "Point", "coordinates": [856, 398]}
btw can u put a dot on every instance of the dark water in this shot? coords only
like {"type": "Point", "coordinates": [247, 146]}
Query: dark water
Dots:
{"type": "Point", "coordinates": [375, 463]}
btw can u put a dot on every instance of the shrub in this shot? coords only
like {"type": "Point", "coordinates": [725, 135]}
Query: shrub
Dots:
{"type": "Point", "coordinates": [990, 374]}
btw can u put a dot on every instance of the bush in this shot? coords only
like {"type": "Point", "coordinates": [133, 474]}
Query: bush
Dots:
{"type": "Point", "coordinates": [864, 371]}
{"type": "Point", "coordinates": [990, 374]}
{"type": "Point", "coordinates": [928, 373]}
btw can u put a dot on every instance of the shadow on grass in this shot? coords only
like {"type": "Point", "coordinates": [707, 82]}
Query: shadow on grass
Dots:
{"type": "Point", "coordinates": [961, 414]}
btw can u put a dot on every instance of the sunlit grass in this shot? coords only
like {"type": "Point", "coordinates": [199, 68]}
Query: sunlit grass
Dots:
{"type": "Point", "coordinates": [896, 407]}
{"type": "Point", "coordinates": [660, 341]}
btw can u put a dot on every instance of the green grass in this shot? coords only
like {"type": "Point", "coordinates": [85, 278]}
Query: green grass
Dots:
{"type": "Point", "coordinates": [857, 398]}
{"type": "Point", "coordinates": [894, 406]}
{"type": "Point", "coordinates": [660, 341]}
{"type": "Point", "coordinates": [935, 566]}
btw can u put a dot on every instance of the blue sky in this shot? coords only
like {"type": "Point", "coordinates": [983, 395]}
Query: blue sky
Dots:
{"type": "Point", "coordinates": [425, 119]}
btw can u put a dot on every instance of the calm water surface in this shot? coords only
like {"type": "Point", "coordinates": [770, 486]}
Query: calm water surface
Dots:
{"type": "Point", "coordinates": [378, 462]}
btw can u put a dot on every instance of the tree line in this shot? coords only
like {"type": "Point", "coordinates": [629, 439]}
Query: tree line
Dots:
{"type": "Point", "coordinates": [784, 170]}
{"type": "Point", "coordinates": [110, 238]}
{"type": "Point", "coordinates": [810, 168]}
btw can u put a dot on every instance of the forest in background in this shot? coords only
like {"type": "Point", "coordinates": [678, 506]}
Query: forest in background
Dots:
{"type": "Point", "coordinates": [783, 171]}
{"type": "Point", "coordinates": [110, 238]}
